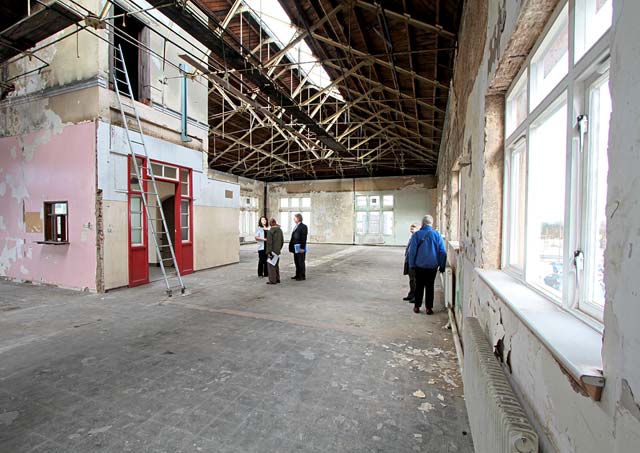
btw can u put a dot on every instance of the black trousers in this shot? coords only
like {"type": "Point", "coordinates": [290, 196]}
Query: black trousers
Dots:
{"type": "Point", "coordinates": [301, 270]}
{"type": "Point", "coordinates": [262, 263]}
{"type": "Point", "coordinates": [412, 283]}
{"type": "Point", "coordinates": [425, 280]}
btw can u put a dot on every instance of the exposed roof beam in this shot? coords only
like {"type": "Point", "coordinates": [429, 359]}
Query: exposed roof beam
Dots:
{"type": "Point", "coordinates": [234, 58]}
{"type": "Point", "coordinates": [377, 60]}
{"type": "Point", "coordinates": [404, 17]}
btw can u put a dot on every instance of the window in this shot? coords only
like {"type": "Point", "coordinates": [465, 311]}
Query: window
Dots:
{"type": "Point", "coordinates": [557, 127]}
{"type": "Point", "coordinates": [545, 221]}
{"type": "Point", "coordinates": [169, 172]}
{"type": "Point", "coordinates": [374, 222]}
{"type": "Point", "coordinates": [284, 221]}
{"type": "Point", "coordinates": [56, 228]}
{"type": "Point", "coordinates": [516, 192]}
{"type": "Point", "coordinates": [595, 222]}
{"type": "Point", "coordinates": [248, 216]}
{"type": "Point", "coordinates": [517, 104]}
{"type": "Point", "coordinates": [292, 206]}
{"type": "Point", "coordinates": [593, 19]}
{"type": "Point", "coordinates": [374, 214]}
{"type": "Point", "coordinates": [387, 228]}
{"type": "Point", "coordinates": [184, 220]}
{"type": "Point", "coordinates": [361, 222]}
{"type": "Point", "coordinates": [184, 182]}
{"type": "Point", "coordinates": [550, 63]}
{"type": "Point", "coordinates": [135, 211]}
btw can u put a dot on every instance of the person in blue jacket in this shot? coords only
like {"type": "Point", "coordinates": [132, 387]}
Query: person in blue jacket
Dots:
{"type": "Point", "coordinates": [427, 255]}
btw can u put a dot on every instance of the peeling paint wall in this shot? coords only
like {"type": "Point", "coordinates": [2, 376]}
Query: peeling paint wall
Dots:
{"type": "Point", "coordinates": [56, 164]}
{"type": "Point", "coordinates": [493, 36]}
{"type": "Point", "coordinates": [333, 206]}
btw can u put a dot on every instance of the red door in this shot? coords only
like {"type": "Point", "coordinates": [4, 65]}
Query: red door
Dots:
{"type": "Point", "coordinates": [138, 234]}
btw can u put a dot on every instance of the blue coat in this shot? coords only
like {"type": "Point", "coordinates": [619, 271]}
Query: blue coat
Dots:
{"type": "Point", "coordinates": [427, 250]}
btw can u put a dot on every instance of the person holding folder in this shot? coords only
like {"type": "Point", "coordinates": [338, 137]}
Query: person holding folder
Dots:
{"type": "Point", "coordinates": [298, 246]}
{"type": "Point", "coordinates": [275, 241]}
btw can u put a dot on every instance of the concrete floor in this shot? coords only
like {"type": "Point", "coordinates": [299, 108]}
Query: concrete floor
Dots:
{"type": "Point", "coordinates": [330, 364]}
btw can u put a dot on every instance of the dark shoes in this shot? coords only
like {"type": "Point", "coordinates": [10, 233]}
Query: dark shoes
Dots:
{"type": "Point", "coordinates": [408, 298]}
{"type": "Point", "coordinates": [429, 311]}
{"type": "Point", "coordinates": [269, 283]}
{"type": "Point", "coordinates": [416, 310]}
{"type": "Point", "coordinates": [299, 279]}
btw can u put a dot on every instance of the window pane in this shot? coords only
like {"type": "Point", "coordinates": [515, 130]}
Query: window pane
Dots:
{"type": "Point", "coordinates": [387, 201]}
{"type": "Point", "coordinates": [184, 175]}
{"type": "Point", "coordinates": [60, 208]}
{"type": "Point", "coordinates": [284, 220]}
{"type": "Point", "coordinates": [517, 105]}
{"type": "Point", "coordinates": [156, 169]}
{"type": "Point", "coordinates": [170, 172]}
{"type": "Point", "coordinates": [361, 222]}
{"type": "Point", "coordinates": [516, 205]}
{"type": "Point", "coordinates": [361, 202]}
{"type": "Point", "coordinates": [284, 202]}
{"type": "Point", "coordinates": [136, 204]}
{"type": "Point", "coordinates": [136, 236]}
{"type": "Point", "coordinates": [593, 19]}
{"type": "Point", "coordinates": [388, 223]}
{"type": "Point", "coordinates": [551, 61]}
{"type": "Point", "coordinates": [374, 223]}
{"type": "Point", "coordinates": [185, 233]}
{"type": "Point", "coordinates": [306, 202]}
{"type": "Point", "coordinates": [547, 162]}
{"type": "Point", "coordinates": [374, 201]}
{"type": "Point", "coordinates": [294, 202]}
{"type": "Point", "coordinates": [136, 220]}
{"type": "Point", "coordinates": [600, 111]}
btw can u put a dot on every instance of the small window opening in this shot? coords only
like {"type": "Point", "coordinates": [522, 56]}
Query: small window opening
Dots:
{"type": "Point", "coordinates": [56, 225]}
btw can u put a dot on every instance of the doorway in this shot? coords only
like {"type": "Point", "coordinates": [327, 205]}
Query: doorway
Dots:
{"type": "Point", "coordinates": [174, 188]}
{"type": "Point", "coordinates": [167, 192]}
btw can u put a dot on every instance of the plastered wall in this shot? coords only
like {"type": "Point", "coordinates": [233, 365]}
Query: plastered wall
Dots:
{"type": "Point", "coordinates": [333, 206]}
{"type": "Point", "coordinates": [56, 164]}
{"type": "Point", "coordinates": [566, 420]}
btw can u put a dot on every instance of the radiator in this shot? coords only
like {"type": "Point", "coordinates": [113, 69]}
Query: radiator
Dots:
{"type": "Point", "coordinates": [447, 286]}
{"type": "Point", "coordinates": [498, 422]}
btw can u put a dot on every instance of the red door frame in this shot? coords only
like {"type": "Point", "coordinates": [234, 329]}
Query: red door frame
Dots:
{"type": "Point", "coordinates": [139, 254]}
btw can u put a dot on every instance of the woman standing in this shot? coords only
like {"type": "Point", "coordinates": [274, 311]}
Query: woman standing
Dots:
{"type": "Point", "coordinates": [261, 238]}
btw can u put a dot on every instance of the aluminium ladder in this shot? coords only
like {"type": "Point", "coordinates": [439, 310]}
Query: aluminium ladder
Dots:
{"type": "Point", "coordinates": [135, 138]}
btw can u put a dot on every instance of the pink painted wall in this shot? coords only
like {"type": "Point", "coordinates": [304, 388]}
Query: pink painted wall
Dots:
{"type": "Point", "coordinates": [56, 164]}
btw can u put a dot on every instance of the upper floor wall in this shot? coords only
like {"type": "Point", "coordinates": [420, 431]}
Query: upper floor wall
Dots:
{"type": "Point", "coordinates": [65, 74]}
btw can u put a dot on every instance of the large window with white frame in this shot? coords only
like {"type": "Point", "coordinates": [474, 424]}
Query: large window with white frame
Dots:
{"type": "Point", "coordinates": [375, 214]}
{"type": "Point", "coordinates": [292, 205]}
{"type": "Point", "coordinates": [248, 216]}
{"type": "Point", "coordinates": [557, 128]}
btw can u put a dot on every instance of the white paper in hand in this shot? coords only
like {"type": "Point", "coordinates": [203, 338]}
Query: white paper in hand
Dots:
{"type": "Point", "coordinates": [273, 261]}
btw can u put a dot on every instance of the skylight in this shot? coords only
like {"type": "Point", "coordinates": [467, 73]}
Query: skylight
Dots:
{"type": "Point", "coordinates": [277, 24]}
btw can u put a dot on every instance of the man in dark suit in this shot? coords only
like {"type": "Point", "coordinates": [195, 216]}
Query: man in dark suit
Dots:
{"type": "Point", "coordinates": [299, 239]}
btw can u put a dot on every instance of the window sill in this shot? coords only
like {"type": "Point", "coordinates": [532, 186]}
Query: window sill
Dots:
{"type": "Point", "coordinates": [53, 242]}
{"type": "Point", "coordinates": [559, 331]}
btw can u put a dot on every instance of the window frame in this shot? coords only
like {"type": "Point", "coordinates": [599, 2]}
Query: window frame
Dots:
{"type": "Point", "coordinates": [288, 211]}
{"type": "Point", "coordinates": [50, 237]}
{"type": "Point", "coordinates": [579, 78]}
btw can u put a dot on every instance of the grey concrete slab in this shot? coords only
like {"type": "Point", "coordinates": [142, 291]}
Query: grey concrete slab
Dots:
{"type": "Point", "coordinates": [329, 364]}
